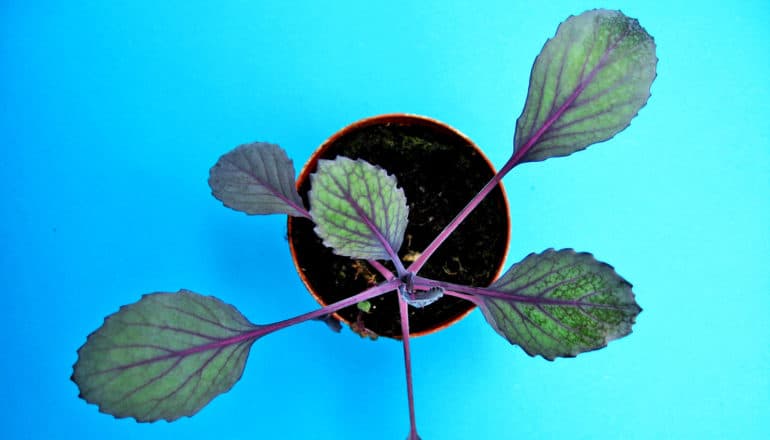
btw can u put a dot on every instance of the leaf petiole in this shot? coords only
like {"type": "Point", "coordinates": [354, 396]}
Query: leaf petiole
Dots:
{"type": "Point", "coordinates": [372, 292]}
{"type": "Point", "coordinates": [465, 212]}
{"type": "Point", "coordinates": [470, 298]}
{"type": "Point", "coordinates": [403, 310]}
{"type": "Point", "coordinates": [381, 269]}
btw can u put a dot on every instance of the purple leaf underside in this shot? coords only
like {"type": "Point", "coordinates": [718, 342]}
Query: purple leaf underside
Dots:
{"type": "Point", "coordinates": [257, 178]}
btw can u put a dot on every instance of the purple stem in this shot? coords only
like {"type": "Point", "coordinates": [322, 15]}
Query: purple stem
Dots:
{"type": "Point", "coordinates": [478, 198]}
{"type": "Point", "coordinates": [471, 298]}
{"type": "Point", "coordinates": [403, 308]}
{"type": "Point", "coordinates": [426, 283]}
{"type": "Point", "coordinates": [515, 159]}
{"type": "Point", "coordinates": [381, 269]}
{"type": "Point", "coordinates": [262, 330]}
{"type": "Point", "coordinates": [367, 294]}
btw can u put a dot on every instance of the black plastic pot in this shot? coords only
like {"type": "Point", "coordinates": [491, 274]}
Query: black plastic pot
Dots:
{"type": "Point", "coordinates": [440, 170]}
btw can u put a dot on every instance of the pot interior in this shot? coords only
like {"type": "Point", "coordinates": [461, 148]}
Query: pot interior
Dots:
{"type": "Point", "coordinates": [440, 170]}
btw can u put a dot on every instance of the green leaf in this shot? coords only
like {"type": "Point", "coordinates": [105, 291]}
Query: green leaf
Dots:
{"type": "Point", "coordinates": [364, 306]}
{"type": "Point", "coordinates": [587, 84]}
{"type": "Point", "coordinates": [359, 210]}
{"type": "Point", "coordinates": [164, 357]}
{"type": "Point", "coordinates": [257, 178]}
{"type": "Point", "coordinates": [560, 303]}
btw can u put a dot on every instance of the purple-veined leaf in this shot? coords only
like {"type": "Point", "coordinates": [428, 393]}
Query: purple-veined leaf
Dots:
{"type": "Point", "coordinates": [560, 304]}
{"type": "Point", "coordinates": [164, 357]}
{"type": "Point", "coordinates": [257, 178]}
{"type": "Point", "coordinates": [586, 85]}
{"type": "Point", "coordinates": [358, 209]}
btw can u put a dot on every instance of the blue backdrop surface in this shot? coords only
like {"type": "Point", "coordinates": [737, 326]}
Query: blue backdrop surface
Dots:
{"type": "Point", "coordinates": [112, 112]}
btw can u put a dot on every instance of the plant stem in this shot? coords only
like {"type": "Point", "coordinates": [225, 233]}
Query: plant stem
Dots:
{"type": "Point", "coordinates": [403, 308]}
{"type": "Point", "coordinates": [516, 157]}
{"type": "Point", "coordinates": [469, 293]}
{"type": "Point", "coordinates": [367, 294]}
{"type": "Point", "coordinates": [464, 296]}
{"type": "Point", "coordinates": [381, 269]}
{"type": "Point", "coordinates": [475, 201]}
{"type": "Point", "coordinates": [452, 288]}
{"type": "Point", "coordinates": [262, 330]}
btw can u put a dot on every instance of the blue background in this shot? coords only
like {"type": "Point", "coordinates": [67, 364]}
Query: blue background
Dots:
{"type": "Point", "coordinates": [112, 113]}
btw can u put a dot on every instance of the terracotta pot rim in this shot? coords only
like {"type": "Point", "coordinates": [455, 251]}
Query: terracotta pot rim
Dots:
{"type": "Point", "coordinates": [404, 118]}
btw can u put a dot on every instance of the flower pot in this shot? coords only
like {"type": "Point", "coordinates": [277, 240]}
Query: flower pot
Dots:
{"type": "Point", "coordinates": [440, 170]}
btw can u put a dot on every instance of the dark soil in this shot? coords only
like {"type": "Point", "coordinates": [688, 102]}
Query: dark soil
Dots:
{"type": "Point", "coordinates": [439, 173]}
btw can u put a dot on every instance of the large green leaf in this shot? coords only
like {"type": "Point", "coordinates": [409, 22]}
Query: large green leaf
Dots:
{"type": "Point", "coordinates": [256, 178]}
{"type": "Point", "coordinates": [587, 84]}
{"type": "Point", "coordinates": [560, 303]}
{"type": "Point", "coordinates": [359, 210]}
{"type": "Point", "coordinates": [164, 357]}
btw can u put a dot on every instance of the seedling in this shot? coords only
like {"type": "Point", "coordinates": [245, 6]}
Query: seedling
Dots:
{"type": "Point", "coordinates": [169, 354]}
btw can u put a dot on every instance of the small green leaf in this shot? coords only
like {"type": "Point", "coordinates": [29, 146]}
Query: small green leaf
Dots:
{"type": "Point", "coordinates": [560, 303]}
{"type": "Point", "coordinates": [364, 306]}
{"type": "Point", "coordinates": [257, 178]}
{"type": "Point", "coordinates": [359, 210]}
{"type": "Point", "coordinates": [164, 357]}
{"type": "Point", "coordinates": [587, 84]}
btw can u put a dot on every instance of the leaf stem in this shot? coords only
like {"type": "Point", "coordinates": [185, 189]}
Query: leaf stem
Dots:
{"type": "Point", "coordinates": [403, 309]}
{"type": "Point", "coordinates": [464, 296]}
{"type": "Point", "coordinates": [367, 294]}
{"type": "Point", "coordinates": [475, 201]}
{"type": "Point", "coordinates": [516, 158]}
{"type": "Point", "coordinates": [381, 269]}
{"type": "Point", "coordinates": [423, 283]}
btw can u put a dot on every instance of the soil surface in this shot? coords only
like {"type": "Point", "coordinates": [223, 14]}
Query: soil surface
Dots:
{"type": "Point", "coordinates": [439, 173]}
